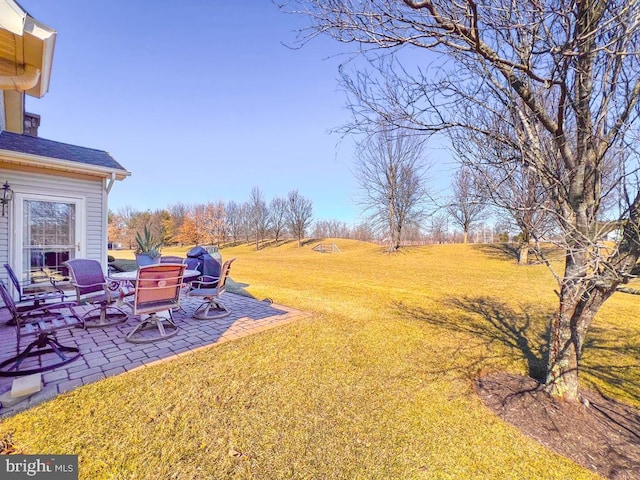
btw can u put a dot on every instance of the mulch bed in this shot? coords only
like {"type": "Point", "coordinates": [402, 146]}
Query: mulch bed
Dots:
{"type": "Point", "coordinates": [600, 434]}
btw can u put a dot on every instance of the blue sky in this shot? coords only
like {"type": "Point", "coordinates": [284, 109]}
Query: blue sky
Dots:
{"type": "Point", "coordinates": [200, 100]}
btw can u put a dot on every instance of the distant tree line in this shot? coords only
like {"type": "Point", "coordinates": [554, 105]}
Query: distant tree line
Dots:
{"type": "Point", "coordinates": [259, 222]}
{"type": "Point", "coordinates": [214, 223]}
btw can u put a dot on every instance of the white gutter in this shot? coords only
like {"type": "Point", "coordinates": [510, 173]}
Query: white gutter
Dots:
{"type": "Point", "coordinates": [22, 82]}
{"type": "Point", "coordinates": [36, 58]}
{"type": "Point", "coordinates": [48, 38]}
{"type": "Point", "coordinates": [27, 159]}
{"type": "Point", "coordinates": [12, 17]}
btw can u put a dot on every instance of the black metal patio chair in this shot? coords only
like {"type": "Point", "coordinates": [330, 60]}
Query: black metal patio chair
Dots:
{"type": "Point", "coordinates": [42, 322]}
{"type": "Point", "coordinates": [93, 288]}
{"type": "Point", "coordinates": [36, 292]}
{"type": "Point", "coordinates": [211, 290]}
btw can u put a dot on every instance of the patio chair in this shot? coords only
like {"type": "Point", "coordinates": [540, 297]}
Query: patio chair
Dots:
{"type": "Point", "coordinates": [157, 290]}
{"type": "Point", "coordinates": [212, 308]}
{"type": "Point", "coordinates": [190, 264]}
{"type": "Point", "coordinates": [37, 292]}
{"type": "Point", "coordinates": [41, 322]}
{"type": "Point", "coordinates": [94, 289]}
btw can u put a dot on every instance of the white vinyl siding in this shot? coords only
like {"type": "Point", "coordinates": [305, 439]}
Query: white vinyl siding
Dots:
{"type": "Point", "coordinates": [89, 191]}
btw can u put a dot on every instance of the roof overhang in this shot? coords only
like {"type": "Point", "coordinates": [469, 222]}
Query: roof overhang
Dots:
{"type": "Point", "coordinates": [28, 44]}
{"type": "Point", "coordinates": [12, 17]}
{"type": "Point", "coordinates": [39, 42]}
{"type": "Point", "coordinates": [38, 161]}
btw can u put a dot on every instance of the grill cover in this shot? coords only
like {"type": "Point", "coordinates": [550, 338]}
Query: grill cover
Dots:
{"type": "Point", "coordinates": [208, 265]}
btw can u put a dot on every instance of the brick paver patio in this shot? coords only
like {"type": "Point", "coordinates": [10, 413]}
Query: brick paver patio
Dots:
{"type": "Point", "coordinates": [104, 351]}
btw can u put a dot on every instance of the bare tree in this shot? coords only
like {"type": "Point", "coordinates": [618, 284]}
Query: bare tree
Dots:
{"type": "Point", "coordinates": [233, 220]}
{"type": "Point", "coordinates": [363, 232]}
{"type": "Point", "coordinates": [391, 171]}
{"type": "Point", "coordinates": [338, 229]}
{"type": "Point", "coordinates": [128, 216]}
{"type": "Point", "coordinates": [245, 221]}
{"type": "Point", "coordinates": [331, 229]}
{"type": "Point", "coordinates": [524, 199]}
{"type": "Point", "coordinates": [258, 215]}
{"type": "Point", "coordinates": [220, 225]}
{"type": "Point", "coordinates": [569, 73]}
{"type": "Point", "coordinates": [505, 179]}
{"type": "Point", "coordinates": [468, 204]}
{"type": "Point", "coordinates": [201, 223]}
{"type": "Point", "coordinates": [213, 222]}
{"type": "Point", "coordinates": [439, 227]}
{"type": "Point", "coordinates": [278, 217]}
{"type": "Point", "coordinates": [321, 229]}
{"type": "Point", "coordinates": [117, 229]}
{"type": "Point", "coordinates": [299, 214]}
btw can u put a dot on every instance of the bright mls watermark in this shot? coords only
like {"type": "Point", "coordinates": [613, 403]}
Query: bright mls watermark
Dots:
{"type": "Point", "coordinates": [49, 467]}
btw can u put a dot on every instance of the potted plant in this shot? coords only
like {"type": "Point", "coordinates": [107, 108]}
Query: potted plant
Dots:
{"type": "Point", "coordinates": [148, 249]}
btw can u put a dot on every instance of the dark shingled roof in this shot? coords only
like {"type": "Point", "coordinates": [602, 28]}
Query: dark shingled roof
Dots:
{"type": "Point", "coordinates": [63, 151]}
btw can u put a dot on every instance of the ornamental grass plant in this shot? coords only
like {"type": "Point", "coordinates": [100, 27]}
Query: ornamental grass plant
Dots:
{"type": "Point", "coordinates": [377, 383]}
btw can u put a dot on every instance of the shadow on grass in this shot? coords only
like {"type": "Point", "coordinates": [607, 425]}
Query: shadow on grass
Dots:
{"type": "Point", "coordinates": [500, 251]}
{"type": "Point", "coordinates": [612, 352]}
{"type": "Point", "coordinates": [613, 359]}
{"type": "Point", "coordinates": [309, 241]}
{"type": "Point", "coordinates": [274, 244]}
{"type": "Point", "coordinates": [404, 250]}
{"type": "Point", "coordinates": [238, 288]}
{"type": "Point", "coordinates": [487, 320]}
{"type": "Point", "coordinates": [510, 252]}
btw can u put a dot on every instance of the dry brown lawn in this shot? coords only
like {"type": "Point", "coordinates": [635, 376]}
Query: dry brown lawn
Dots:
{"type": "Point", "coordinates": [377, 383]}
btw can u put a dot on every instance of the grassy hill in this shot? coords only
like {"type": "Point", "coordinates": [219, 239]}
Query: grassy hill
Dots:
{"type": "Point", "coordinates": [477, 291]}
{"type": "Point", "coordinates": [377, 383]}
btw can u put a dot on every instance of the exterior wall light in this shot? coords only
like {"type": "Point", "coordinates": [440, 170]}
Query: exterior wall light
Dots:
{"type": "Point", "coordinates": [7, 196]}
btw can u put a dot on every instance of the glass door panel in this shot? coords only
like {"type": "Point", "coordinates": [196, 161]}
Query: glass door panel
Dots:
{"type": "Point", "coordinates": [48, 237]}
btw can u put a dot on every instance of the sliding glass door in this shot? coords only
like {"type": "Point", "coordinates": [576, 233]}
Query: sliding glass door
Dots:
{"type": "Point", "coordinates": [49, 231]}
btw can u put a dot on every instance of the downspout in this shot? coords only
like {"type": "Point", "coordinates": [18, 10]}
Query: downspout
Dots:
{"type": "Point", "coordinates": [26, 80]}
{"type": "Point", "coordinates": [108, 183]}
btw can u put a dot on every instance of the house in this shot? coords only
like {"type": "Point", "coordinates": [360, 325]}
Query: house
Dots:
{"type": "Point", "coordinates": [53, 196]}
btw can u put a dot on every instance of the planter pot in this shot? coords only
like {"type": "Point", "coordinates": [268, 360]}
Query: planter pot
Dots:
{"type": "Point", "coordinates": [143, 259]}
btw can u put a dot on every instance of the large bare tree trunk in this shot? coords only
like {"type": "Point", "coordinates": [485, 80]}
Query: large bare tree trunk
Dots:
{"type": "Point", "coordinates": [580, 300]}
{"type": "Point", "coordinates": [523, 254]}
{"type": "Point", "coordinates": [393, 244]}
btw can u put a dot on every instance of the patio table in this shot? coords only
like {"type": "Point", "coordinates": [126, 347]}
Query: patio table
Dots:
{"type": "Point", "coordinates": [132, 275]}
